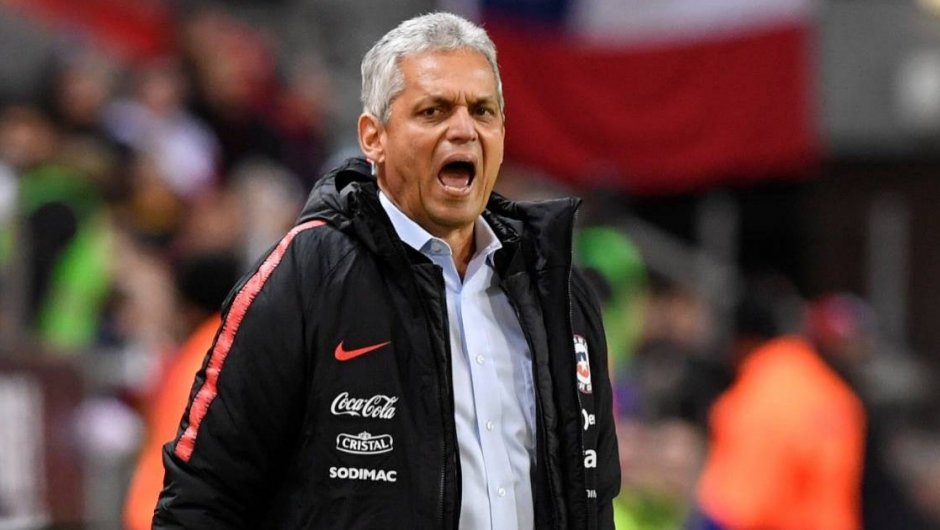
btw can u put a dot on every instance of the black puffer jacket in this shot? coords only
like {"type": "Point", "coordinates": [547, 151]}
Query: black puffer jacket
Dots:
{"type": "Point", "coordinates": [326, 400]}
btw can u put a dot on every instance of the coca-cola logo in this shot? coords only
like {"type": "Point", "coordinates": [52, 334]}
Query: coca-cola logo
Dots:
{"type": "Point", "coordinates": [377, 407]}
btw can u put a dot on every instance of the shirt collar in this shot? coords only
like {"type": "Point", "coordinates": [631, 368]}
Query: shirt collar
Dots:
{"type": "Point", "coordinates": [412, 234]}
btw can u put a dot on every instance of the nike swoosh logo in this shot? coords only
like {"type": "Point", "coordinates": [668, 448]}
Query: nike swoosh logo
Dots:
{"type": "Point", "coordinates": [345, 355]}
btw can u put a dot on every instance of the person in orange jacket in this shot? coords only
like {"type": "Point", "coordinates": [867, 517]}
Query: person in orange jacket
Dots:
{"type": "Point", "coordinates": [203, 282]}
{"type": "Point", "coordinates": [787, 438]}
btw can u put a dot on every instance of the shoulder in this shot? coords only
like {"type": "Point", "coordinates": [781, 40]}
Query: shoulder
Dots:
{"type": "Point", "coordinates": [306, 255]}
{"type": "Point", "coordinates": [318, 236]}
{"type": "Point", "coordinates": [790, 375]}
{"type": "Point", "coordinates": [317, 242]}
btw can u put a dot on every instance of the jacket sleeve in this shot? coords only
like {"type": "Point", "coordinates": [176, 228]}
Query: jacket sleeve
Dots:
{"type": "Point", "coordinates": [608, 458]}
{"type": "Point", "coordinates": [242, 416]}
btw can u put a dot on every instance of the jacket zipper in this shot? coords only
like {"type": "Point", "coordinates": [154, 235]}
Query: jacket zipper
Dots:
{"type": "Point", "coordinates": [541, 433]}
{"type": "Point", "coordinates": [440, 507]}
{"type": "Point", "coordinates": [443, 396]}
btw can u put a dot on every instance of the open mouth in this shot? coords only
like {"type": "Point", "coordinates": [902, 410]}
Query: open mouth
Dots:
{"type": "Point", "coordinates": [456, 176]}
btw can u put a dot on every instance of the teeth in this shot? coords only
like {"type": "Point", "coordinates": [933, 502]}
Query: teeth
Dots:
{"type": "Point", "coordinates": [456, 175]}
{"type": "Point", "coordinates": [454, 181]}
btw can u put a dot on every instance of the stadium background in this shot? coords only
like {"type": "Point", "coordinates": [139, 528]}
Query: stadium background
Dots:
{"type": "Point", "coordinates": [148, 147]}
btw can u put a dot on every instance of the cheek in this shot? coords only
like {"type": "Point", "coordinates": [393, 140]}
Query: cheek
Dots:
{"type": "Point", "coordinates": [494, 159]}
{"type": "Point", "coordinates": [417, 150]}
{"type": "Point", "coordinates": [494, 145]}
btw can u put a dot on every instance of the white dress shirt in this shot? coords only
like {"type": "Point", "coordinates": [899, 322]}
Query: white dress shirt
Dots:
{"type": "Point", "coordinates": [494, 396]}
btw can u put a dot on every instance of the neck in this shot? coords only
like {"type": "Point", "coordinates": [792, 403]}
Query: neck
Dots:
{"type": "Point", "coordinates": [461, 240]}
{"type": "Point", "coordinates": [462, 244]}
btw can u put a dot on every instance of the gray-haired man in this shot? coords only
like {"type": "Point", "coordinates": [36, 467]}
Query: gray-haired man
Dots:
{"type": "Point", "coordinates": [417, 352]}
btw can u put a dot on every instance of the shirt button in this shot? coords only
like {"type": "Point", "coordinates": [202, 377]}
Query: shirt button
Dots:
{"type": "Point", "coordinates": [490, 425]}
{"type": "Point", "coordinates": [480, 359]}
{"type": "Point", "coordinates": [501, 492]}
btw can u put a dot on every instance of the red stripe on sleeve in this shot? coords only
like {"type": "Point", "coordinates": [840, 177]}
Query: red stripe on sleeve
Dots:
{"type": "Point", "coordinates": [209, 389]}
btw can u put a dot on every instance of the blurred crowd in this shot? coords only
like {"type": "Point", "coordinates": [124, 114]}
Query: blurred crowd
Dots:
{"type": "Point", "coordinates": [135, 189]}
{"type": "Point", "coordinates": [782, 424]}
{"type": "Point", "coordinates": [119, 170]}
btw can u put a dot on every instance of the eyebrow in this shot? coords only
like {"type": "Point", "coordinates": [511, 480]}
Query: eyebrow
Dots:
{"type": "Point", "coordinates": [442, 100]}
{"type": "Point", "coordinates": [484, 100]}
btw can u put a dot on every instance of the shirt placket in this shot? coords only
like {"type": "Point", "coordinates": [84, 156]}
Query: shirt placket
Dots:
{"type": "Point", "coordinates": [488, 403]}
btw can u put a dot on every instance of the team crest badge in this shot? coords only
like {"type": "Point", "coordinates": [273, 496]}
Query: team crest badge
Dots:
{"type": "Point", "coordinates": [584, 367]}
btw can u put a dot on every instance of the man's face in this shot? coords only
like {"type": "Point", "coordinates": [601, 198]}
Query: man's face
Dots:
{"type": "Point", "coordinates": [440, 152]}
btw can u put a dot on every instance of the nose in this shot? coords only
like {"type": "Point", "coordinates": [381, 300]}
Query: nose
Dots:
{"type": "Point", "coordinates": [461, 127]}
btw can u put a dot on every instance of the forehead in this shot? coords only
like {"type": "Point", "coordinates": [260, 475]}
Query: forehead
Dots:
{"type": "Point", "coordinates": [440, 72]}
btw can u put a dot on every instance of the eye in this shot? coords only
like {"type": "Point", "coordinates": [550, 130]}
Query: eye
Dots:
{"type": "Point", "coordinates": [430, 112]}
{"type": "Point", "coordinates": [484, 111]}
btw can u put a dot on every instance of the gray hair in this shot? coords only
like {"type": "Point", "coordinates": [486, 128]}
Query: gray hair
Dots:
{"type": "Point", "coordinates": [382, 80]}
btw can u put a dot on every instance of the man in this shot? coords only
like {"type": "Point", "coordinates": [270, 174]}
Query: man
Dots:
{"type": "Point", "coordinates": [787, 438]}
{"type": "Point", "coordinates": [416, 352]}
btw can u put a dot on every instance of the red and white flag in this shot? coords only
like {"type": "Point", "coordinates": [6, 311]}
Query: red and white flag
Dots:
{"type": "Point", "coordinates": [656, 96]}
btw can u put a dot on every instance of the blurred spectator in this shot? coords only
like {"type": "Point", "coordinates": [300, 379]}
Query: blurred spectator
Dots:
{"type": "Point", "coordinates": [214, 223]}
{"type": "Point", "coordinates": [233, 71]}
{"type": "Point", "coordinates": [659, 462]}
{"type": "Point", "coordinates": [674, 374]}
{"type": "Point", "coordinates": [202, 282]}
{"type": "Point", "coordinates": [267, 194]}
{"type": "Point", "coordinates": [79, 87]}
{"type": "Point", "coordinates": [301, 117]}
{"type": "Point", "coordinates": [844, 329]}
{"type": "Point", "coordinates": [609, 253]}
{"type": "Point", "coordinates": [65, 233]}
{"type": "Point", "coordinates": [152, 212]}
{"type": "Point", "coordinates": [141, 310]}
{"type": "Point", "coordinates": [154, 120]}
{"type": "Point", "coordinates": [658, 336]}
{"type": "Point", "coordinates": [81, 83]}
{"type": "Point", "coordinates": [786, 439]}
{"type": "Point", "coordinates": [920, 466]}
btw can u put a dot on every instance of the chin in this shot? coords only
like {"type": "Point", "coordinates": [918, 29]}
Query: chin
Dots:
{"type": "Point", "coordinates": [451, 221]}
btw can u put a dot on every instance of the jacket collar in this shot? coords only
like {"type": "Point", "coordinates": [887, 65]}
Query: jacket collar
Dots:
{"type": "Point", "coordinates": [347, 198]}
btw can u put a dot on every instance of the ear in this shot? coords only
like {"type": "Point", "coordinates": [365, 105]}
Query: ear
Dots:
{"type": "Point", "coordinates": [371, 138]}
